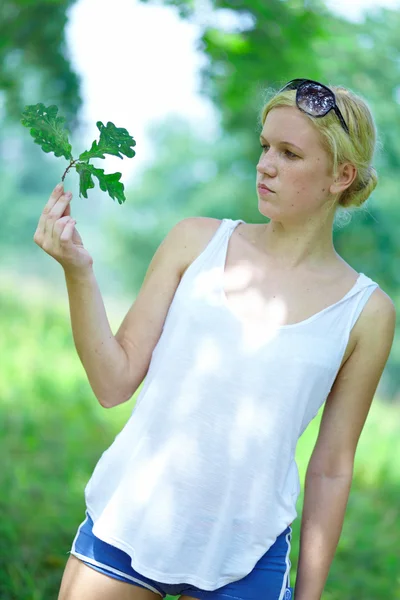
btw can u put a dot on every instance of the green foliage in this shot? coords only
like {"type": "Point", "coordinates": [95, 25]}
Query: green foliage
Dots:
{"type": "Point", "coordinates": [108, 183]}
{"type": "Point", "coordinates": [113, 140]}
{"type": "Point", "coordinates": [48, 130]}
{"type": "Point", "coordinates": [28, 176]}
{"type": "Point", "coordinates": [271, 43]}
{"type": "Point", "coordinates": [33, 59]}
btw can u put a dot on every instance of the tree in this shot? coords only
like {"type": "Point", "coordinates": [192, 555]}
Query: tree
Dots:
{"type": "Point", "coordinates": [34, 65]}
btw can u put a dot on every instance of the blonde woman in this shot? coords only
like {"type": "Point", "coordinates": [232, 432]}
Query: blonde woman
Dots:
{"type": "Point", "coordinates": [241, 332]}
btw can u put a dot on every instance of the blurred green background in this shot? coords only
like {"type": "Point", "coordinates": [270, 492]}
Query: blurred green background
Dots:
{"type": "Point", "coordinates": [53, 430]}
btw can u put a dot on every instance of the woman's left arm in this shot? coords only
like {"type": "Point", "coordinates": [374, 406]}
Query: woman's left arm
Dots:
{"type": "Point", "coordinates": [330, 470]}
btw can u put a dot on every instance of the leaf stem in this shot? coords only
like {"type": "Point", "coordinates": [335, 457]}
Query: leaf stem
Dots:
{"type": "Point", "coordinates": [71, 164]}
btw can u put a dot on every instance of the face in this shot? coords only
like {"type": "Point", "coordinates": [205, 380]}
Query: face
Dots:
{"type": "Point", "coordinates": [294, 165]}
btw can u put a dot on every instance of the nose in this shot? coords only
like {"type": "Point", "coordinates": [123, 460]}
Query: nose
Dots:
{"type": "Point", "coordinates": [266, 165]}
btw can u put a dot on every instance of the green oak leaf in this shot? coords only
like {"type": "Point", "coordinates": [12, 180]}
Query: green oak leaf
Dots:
{"type": "Point", "coordinates": [47, 129]}
{"type": "Point", "coordinates": [108, 182]}
{"type": "Point", "coordinates": [113, 140]}
{"type": "Point", "coordinates": [85, 178]}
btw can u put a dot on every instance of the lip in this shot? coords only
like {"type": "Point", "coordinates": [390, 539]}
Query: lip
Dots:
{"type": "Point", "coordinates": [261, 186]}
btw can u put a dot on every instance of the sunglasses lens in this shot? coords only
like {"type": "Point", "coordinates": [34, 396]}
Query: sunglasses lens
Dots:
{"type": "Point", "coordinates": [315, 99]}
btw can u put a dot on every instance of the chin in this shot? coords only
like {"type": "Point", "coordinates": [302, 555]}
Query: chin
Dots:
{"type": "Point", "coordinates": [267, 209]}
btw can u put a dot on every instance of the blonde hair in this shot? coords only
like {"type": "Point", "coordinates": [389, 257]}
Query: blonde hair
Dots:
{"type": "Point", "coordinates": [357, 148]}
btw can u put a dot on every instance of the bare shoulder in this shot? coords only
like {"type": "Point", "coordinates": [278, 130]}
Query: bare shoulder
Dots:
{"type": "Point", "coordinates": [377, 319]}
{"type": "Point", "coordinates": [380, 306]}
{"type": "Point", "coordinates": [192, 235]}
{"type": "Point", "coordinates": [198, 226]}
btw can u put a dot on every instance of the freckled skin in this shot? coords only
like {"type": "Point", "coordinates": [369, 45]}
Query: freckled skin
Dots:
{"type": "Point", "coordinates": [303, 184]}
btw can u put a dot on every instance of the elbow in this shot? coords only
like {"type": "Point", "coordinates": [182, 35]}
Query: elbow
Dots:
{"type": "Point", "coordinates": [105, 404]}
{"type": "Point", "coordinates": [110, 403]}
{"type": "Point", "coordinates": [334, 469]}
{"type": "Point", "coordinates": [110, 400]}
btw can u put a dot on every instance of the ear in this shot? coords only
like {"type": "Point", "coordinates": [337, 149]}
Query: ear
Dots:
{"type": "Point", "coordinates": [345, 176]}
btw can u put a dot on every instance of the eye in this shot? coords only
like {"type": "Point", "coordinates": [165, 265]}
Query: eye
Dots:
{"type": "Point", "coordinates": [287, 152]}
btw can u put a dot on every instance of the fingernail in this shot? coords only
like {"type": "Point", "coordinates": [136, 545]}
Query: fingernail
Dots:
{"type": "Point", "coordinates": [59, 187]}
{"type": "Point", "coordinates": [68, 195]}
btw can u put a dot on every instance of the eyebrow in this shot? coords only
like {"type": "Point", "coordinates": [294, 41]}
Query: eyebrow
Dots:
{"type": "Point", "coordinates": [287, 143]}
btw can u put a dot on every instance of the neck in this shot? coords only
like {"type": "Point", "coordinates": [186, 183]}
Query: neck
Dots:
{"type": "Point", "coordinates": [293, 246]}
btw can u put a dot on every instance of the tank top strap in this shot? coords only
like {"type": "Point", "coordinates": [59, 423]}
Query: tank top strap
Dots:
{"type": "Point", "coordinates": [362, 292]}
{"type": "Point", "coordinates": [216, 248]}
{"type": "Point", "coordinates": [229, 228]}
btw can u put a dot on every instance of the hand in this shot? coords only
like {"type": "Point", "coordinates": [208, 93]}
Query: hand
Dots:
{"type": "Point", "coordinates": [57, 236]}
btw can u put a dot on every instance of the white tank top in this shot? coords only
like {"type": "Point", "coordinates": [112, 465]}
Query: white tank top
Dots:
{"type": "Point", "coordinates": [202, 478]}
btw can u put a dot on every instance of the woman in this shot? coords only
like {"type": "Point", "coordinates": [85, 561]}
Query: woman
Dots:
{"type": "Point", "coordinates": [242, 332]}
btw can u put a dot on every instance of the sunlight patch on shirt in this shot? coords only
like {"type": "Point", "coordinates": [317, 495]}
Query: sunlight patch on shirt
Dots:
{"type": "Point", "coordinates": [251, 422]}
{"type": "Point", "coordinates": [161, 513]}
{"type": "Point", "coordinates": [207, 282]}
{"type": "Point", "coordinates": [263, 323]}
{"type": "Point", "coordinates": [189, 398]}
{"type": "Point", "coordinates": [208, 358]}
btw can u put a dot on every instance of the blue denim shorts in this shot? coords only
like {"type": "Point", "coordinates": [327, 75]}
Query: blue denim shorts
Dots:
{"type": "Point", "coordinates": [270, 578]}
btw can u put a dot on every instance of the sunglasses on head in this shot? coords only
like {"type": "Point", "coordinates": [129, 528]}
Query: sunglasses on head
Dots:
{"type": "Point", "coordinates": [314, 99]}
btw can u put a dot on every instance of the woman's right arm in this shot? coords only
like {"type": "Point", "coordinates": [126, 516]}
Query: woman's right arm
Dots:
{"type": "Point", "coordinates": [116, 364]}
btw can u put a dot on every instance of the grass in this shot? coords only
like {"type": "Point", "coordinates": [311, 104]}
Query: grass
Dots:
{"type": "Point", "coordinates": [53, 431]}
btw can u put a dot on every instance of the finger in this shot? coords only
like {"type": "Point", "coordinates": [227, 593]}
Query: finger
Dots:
{"type": "Point", "coordinates": [59, 226]}
{"type": "Point", "coordinates": [60, 206]}
{"type": "Point", "coordinates": [49, 244]}
{"type": "Point", "coordinates": [54, 196]}
{"type": "Point", "coordinates": [67, 211]}
{"type": "Point", "coordinates": [56, 213]}
{"type": "Point", "coordinates": [58, 230]}
{"type": "Point", "coordinates": [68, 230]}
